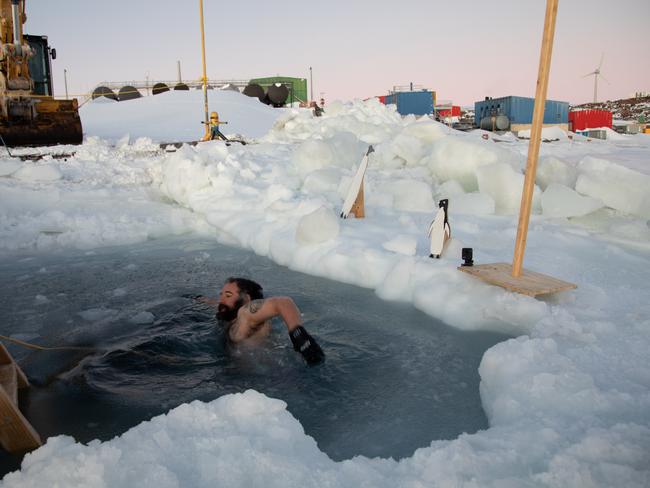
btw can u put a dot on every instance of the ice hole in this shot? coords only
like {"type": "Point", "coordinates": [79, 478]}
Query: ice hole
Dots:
{"type": "Point", "coordinates": [394, 379]}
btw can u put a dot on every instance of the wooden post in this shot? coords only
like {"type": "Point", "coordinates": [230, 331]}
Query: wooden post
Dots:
{"type": "Point", "coordinates": [535, 136]}
{"type": "Point", "coordinates": [5, 358]}
{"type": "Point", "coordinates": [513, 277]}
{"type": "Point", "coordinates": [16, 433]}
{"type": "Point", "coordinates": [205, 76]}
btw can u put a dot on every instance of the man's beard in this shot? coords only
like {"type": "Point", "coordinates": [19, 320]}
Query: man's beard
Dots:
{"type": "Point", "coordinates": [228, 314]}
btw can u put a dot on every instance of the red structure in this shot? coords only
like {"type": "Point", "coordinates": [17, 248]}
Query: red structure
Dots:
{"type": "Point", "coordinates": [455, 111]}
{"type": "Point", "coordinates": [589, 119]}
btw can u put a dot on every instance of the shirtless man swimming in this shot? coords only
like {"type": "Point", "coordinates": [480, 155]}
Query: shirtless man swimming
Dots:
{"type": "Point", "coordinates": [247, 315]}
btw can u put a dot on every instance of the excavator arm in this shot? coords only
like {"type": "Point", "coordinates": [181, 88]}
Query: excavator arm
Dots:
{"type": "Point", "coordinates": [28, 119]}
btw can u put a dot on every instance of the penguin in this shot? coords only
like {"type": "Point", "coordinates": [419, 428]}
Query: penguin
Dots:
{"type": "Point", "coordinates": [439, 230]}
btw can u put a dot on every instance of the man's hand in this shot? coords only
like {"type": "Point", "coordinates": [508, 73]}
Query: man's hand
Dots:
{"type": "Point", "coordinates": [306, 345]}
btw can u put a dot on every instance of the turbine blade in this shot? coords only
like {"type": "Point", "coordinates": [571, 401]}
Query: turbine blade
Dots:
{"type": "Point", "coordinates": [602, 56]}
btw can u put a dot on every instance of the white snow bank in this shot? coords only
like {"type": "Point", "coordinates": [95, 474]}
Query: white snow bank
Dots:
{"type": "Point", "coordinates": [459, 158]}
{"type": "Point", "coordinates": [195, 444]}
{"type": "Point", "coordinates": [176, 116]}
{"type": "Point", "coordinates": [9, 167]}
{"type": "Point", "coordinates": [248, 439]}
{"type": "Point", "coordinates": [30, 172]}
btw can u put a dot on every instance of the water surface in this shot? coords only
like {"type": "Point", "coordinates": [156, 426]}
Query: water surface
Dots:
{"type": "Point", "coordinates": [394, 379]}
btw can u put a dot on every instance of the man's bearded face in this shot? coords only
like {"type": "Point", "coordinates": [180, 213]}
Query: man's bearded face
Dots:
{"type": "Point", "coordinates": [228, 313]}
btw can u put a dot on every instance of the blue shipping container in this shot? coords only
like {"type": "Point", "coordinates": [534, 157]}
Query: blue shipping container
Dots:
{"type": "Point", "coordinates": [415, 102]}
{"type": "Point", "coordinates": [520, 110]}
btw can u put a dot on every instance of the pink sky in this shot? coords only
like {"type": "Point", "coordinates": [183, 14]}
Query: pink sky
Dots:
{"type": "Point", "coordinates": [465, 50]}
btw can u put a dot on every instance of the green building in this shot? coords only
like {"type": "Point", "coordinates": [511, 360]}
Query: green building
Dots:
{"type": "Point", "coordinates": [297, 86]}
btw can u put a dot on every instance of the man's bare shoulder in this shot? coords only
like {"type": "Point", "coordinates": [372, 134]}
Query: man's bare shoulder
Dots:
{"type": "Point", "coordinates": [255, 305]}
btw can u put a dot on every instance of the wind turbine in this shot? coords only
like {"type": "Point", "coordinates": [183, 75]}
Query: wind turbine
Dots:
{"type": "Point", "coordinates": [596, 73]}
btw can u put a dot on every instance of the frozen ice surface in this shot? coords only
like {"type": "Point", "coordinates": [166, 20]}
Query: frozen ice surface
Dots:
{"type": "Point", "coordinates": [567, 400]}
{"type": "Point", "coordinates": [402, 244]}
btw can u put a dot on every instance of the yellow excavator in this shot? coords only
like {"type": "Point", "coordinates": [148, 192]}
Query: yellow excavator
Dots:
{"type": "Point", "coordinates": [29, 115]}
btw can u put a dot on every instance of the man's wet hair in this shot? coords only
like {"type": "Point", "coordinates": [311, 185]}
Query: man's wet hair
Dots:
{"type": "Point", "coordinates": [253, 289]}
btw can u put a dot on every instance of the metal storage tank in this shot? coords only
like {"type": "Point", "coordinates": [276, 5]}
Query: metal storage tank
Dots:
{"type": "Point", "coordinates": [104, 91]}
{"type": "Point", "coordinates": [128, 92]}
{"type": "Point", "coordinates": [412, 102]}
{"type": "Point", "coordinates": [254, 90]}
{"type": "Point", "coordinates": [277, 94]}
{"type": "Point", "coordinates": [159, 88]}
{"type": "Point", "coordinates": [297, 86]}
{"type": "Point", "coordinates": [495, 122]}
{"type": "Point", "coordinates": [520, 111]}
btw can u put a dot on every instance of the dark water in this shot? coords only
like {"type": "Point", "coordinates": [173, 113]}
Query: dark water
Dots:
{"type": "Point", "coordinates": [394, 379]}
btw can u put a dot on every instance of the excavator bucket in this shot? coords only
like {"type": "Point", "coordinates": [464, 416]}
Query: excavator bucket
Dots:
{"type": "Point", "coordinates": [55, 122]}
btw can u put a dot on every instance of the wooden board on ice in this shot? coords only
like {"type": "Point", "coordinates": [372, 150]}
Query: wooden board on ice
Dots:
{"type": "Point", "coordinates": [529, 283]}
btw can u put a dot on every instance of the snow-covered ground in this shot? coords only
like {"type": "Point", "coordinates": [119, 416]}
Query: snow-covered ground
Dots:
{"type": "Point", "coordinates": [568, 400]}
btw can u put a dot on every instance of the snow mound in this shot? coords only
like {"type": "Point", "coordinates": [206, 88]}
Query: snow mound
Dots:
{"type": "Point", "coordinates": [409, 194]}
{"type": "Point", "coordinates": [459, 158]}
{"type": "Point", "coordinates": [195, 444]}
{"type": "Point", "coordinates": [181, 113]}
{"type": "Point", "coordinates": [317, 227]}
{"type": "Point", "coordinates": [561, 201]}
{"type": "Point", "coordinates": [474, 203]}
{"type": "Point", "coordinates": [45, 172]}
{"type": "Point", "coordinates": [505, 186]}
{"type": "Point", "coordinates": [619, 187]}
{"type": "Point", "coordinates": [553, 170]}
{"type": "Point", "coordinates": [9, 167]}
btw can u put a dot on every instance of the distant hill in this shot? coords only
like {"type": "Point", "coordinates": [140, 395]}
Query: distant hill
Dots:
{"type": "Point", "coordinates": [625, 109]}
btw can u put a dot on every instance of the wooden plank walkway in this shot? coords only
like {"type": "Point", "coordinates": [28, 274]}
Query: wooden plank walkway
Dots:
{"type": "Point", "coordinates": [16, 433]}
{"type": "Point", "coordinates": [528, 283]}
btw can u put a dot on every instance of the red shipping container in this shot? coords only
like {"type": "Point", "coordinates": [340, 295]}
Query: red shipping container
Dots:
{"type": "Point", "coordinates": [382, 99]}
{"type": "Point", "coordinates": [589, 119]}
{"type": "Point", "coordinates": [455, 111]}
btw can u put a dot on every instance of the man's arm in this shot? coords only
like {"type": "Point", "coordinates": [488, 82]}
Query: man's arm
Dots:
{"type": "Point", "coordinates": [213, 302]}
{"type": "Point", "coordinates": [259, 311]}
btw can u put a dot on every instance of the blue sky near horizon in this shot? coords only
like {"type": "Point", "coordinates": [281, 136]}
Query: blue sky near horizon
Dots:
{"type": "Point", "coordinates": [463, 50]}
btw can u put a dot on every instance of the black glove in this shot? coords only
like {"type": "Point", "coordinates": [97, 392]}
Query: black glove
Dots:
{"type": "Point", "coordinates": [306, 345]}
